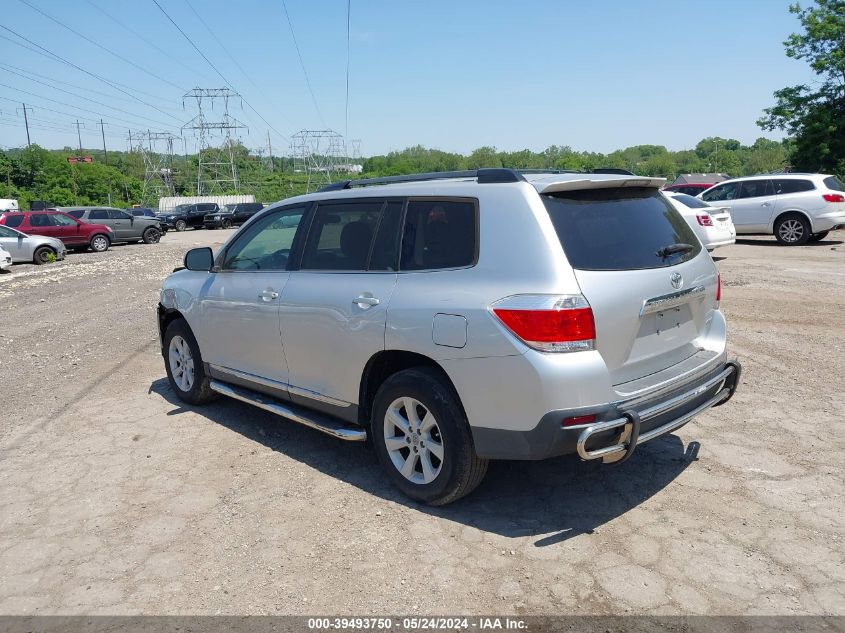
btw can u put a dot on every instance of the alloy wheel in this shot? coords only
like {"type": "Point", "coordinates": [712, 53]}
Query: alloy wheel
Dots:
{"type": "Point", "coordinates": [181, 363]}
{"type": "Point", "coordinates": [791, 230]}
{"type": "Point", "coordinates": [413, 441]}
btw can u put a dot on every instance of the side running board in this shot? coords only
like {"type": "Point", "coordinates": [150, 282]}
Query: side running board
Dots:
{"type": "Point", "coordinates": [324, 423]}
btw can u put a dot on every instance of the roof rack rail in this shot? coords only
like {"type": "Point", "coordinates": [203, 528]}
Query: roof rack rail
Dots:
{"type": "Point", "coordinates": [485, 176]}
{"type": "Point", "coordinates": [597, 170]}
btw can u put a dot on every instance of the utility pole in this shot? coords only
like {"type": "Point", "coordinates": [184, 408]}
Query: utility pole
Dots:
{"type": "Point", "coordinates": [26, 123]}
{"type": "Point", "coordinates": [79, 136]}
{"type": "Point", "coordinates": [270, 150]}
{"type": "Point", "coordinates": [105, 151]}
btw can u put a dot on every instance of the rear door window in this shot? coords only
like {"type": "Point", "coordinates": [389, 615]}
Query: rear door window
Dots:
{"type": "Point", "coordinates": [76, 213]}
{"type": "Point", "coordinates": [39, 219]}
{"type": "Point", "coordinates": [57, 219]}
{"type": "Point", "coordinates": [14, 220]}
{"type": "Point", "coordinates": [341, 236]}
{"type": "Point", "coordinates": [117, 214]}
{"type": "Point", "coordinates": [619, 228]}
{"type": "Point", "coordinates": [756, 188]}
{"type": "Point", "coordinates": [793, 185]}
{"type": "Point", "coordinates": [99, 214]}
{"type": "Point", "coordinates": [439, 234]}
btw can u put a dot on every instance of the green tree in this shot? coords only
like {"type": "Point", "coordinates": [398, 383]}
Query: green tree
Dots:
{"type": "Point", "coordinates": [815, 114]}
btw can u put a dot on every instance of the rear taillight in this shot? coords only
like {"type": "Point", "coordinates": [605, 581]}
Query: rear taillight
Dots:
{"type": "Point", "coordinates": [834, 197]}
{"type": "Point", "coordinates": [549, 323]}
{"type": "Point", "coordinates": [704, 220]}
{"type": "Point", "coordinates": [718, 288]}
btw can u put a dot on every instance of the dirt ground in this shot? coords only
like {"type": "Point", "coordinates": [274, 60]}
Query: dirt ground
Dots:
{"type": "Point", "coordinates": [117, 499]}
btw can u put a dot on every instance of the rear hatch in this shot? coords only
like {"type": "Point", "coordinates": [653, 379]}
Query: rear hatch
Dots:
{"type": "Point", "coordinates": [650, 305]}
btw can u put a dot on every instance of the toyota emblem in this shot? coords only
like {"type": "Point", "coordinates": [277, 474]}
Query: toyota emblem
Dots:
{"type": "Point", "coordinates": [676, 279]}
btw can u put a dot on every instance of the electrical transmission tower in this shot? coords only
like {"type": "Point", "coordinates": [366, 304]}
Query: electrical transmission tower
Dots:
{"type": "Point", "coordinates": [355, 154]}
{"type": "Point", "coordinates": [318, 154]}
{"type": "Point", "coordinates": [156, 149]}
{"type": "Point", "coordinates": [217, 172]}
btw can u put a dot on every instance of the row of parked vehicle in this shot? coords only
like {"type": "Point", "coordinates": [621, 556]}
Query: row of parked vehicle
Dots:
{"type": "Point", "coordinates": [208, 215]}
{"type": "Point", "coordinates": [795, 208]}
{"type": "Point", "coordinates": [43, 236]}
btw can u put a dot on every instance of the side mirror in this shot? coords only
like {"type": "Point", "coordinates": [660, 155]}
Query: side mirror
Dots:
{"type": "Point", "coordinates": [201, 259]}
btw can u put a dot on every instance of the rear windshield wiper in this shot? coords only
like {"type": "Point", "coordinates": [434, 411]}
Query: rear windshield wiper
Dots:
{"type": "Point", "coordinates": [672, 249]}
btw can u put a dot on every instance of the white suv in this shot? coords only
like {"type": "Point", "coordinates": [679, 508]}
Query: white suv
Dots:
{"type": "Point", "coordinates": [460, 317]}
{"type": "Point", "coordinates": [796, 208]}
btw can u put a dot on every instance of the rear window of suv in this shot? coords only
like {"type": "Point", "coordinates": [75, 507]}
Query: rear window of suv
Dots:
{"type": "Point", "coordinates": [785, 185]}
{"type": "Point", "coordinates": [618, 228]}
{"type": "Point", "coordinates": [832, 182]}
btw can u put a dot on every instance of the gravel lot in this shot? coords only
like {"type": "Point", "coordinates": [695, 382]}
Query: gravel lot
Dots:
{"type": "Point", "coordinates": [115, 498]}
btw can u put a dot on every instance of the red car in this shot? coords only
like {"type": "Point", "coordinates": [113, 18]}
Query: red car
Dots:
{"type": "Point", "coordinates": [74, 233]}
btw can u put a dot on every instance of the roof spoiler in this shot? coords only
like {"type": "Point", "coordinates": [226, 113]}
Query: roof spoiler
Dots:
{"type": "Point", "coordinates": [609, 183]}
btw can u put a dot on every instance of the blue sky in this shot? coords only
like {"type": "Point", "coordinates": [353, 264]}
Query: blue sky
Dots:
{"type": "Point", "coordinates": [453, 75]}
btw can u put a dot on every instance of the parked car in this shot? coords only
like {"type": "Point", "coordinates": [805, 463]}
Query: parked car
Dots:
{"type": "Point", "coordinates": [5, 259]}
{"type": "Point", "coordinates": [185, 216]}
{"type": "Point", "coordinates": [220, 219]}
{"type": "Point", "coordinates": [795, 208]}
{"type": "Point", "coordinates": [235, 214]}
{"type": "Point", "coordinates": [126, 227]}
{"type": "Point", "coordinates": [38, 249]}
{"type": "Point", "coordinates": [75, 234]}
{"type": "Point", "coordinates": [410, 310]}
{"type": "Point", "coordinates": [712, 225]}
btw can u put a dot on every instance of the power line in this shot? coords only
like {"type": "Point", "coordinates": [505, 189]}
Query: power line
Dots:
{"type": "Point", "coordinates": [301, 63]}
{"type": "Point", "coordinates": [225, 50]}
{"type": "Point", "coordinates": [28, 72]}
{"type": "Point", "coordinates": [41, 107]}
{"type": "Point", "coordinates": [79, 68]}
{"type": "Point", "coordinates": [52, 57]}
{"type": "Point", "coordinates": [70, 105]}
{"type": "Point", "coordinates": [98, 45]}
{"type": "Point", "coordinates": [348, 17]}
{"type": "Point", "coordinates": [168, 55]}
{"type": "Point", "coordinates": [228, 83]}
{"type": "Point", "coordinates": [79, 96]}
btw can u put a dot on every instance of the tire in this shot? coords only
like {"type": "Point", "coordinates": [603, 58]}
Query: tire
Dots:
{"type": "Point", "coordinates": [432, 479]}
{"type": "Point", "coordinates": [180, 225]}
{"type": "Point", "coordinates": [184, 366]}
{"type": "Point", "coordinates": [151, 235]}
{"type": "Point", "coordinates": [792, 229]}
{"type": "Point", "coordinates": [42, 255]}
{"type": "Point", "coordinates": [100, 243]}
{"type": "Point", "coordinates": [227, 224]}
{"type": "Point", "coordinates": [818, 237]}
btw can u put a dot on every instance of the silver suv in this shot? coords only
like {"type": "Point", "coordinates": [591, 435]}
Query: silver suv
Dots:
{"type": "Point", "coordinates": [796, 208]}
{"type": "Point", "coordinates": [460, 317]}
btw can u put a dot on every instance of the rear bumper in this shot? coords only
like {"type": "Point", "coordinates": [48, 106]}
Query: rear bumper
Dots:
{"type": "Point", "coordinates": [828, 221]}
{"type": "Point", "coordinates": [617, 430]}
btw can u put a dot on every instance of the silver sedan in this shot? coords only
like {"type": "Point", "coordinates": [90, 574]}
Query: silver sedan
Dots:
{"type": "Point", "coordinates": [37, 249]}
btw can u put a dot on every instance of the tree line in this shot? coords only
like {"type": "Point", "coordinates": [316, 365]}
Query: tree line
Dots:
{"type": "Point", "coordinates": [35, 173]}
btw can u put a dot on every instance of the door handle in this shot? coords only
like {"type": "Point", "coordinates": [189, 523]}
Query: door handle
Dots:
{"type": "Point", "coordinates": [365, 302]}
{"type": "Point", "coordinates": [766, 204]}
{"type": "Point", "coordinates": [268, 295]}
